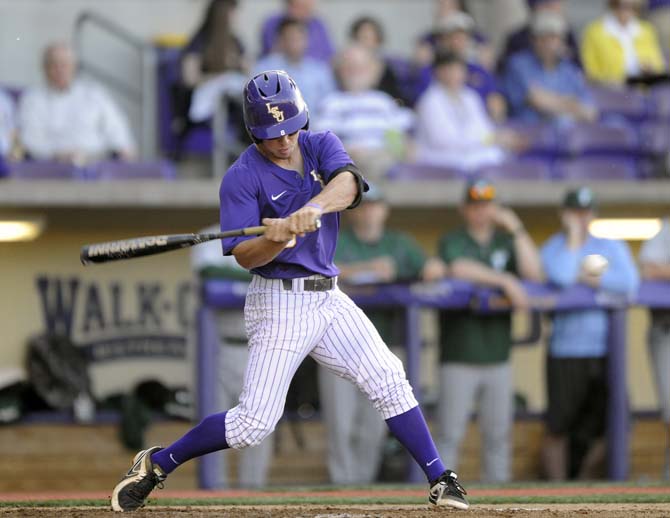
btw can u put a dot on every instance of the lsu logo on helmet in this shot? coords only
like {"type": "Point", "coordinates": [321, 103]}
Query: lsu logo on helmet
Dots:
{"type": "Point", "coordinates": [275, 112]}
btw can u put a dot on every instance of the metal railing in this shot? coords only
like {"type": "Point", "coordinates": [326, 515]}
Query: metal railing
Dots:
{"type": "Point", "coordinates": [141, 93]}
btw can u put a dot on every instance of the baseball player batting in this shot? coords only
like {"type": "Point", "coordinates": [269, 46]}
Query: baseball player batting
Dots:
{"type": "Point", "coordinates": [288, 180]}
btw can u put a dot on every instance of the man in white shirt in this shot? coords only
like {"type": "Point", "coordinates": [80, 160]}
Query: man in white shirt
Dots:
{"type": "Point", "coordinates": [7, 123]}
{"type": "Point", "coordinates": [452, 128]}
{"type": "Point", "coordinates": [71, 119]}
{"type": "Point", "coordinates": [369, 122]}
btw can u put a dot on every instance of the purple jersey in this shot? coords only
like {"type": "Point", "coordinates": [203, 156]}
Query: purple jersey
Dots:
{"type": "Point", "coordinates": [255, 188]}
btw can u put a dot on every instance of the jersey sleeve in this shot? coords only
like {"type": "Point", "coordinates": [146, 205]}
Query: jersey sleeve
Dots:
{"type": "Point", "coordinates": [330, 154]}
{"type": "Point", "coordinates": [238, 197]}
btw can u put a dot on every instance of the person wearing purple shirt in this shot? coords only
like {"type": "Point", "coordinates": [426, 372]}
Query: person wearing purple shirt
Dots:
{"type": "Point", "coordinates": [295, 183]}
{"type": "Point", "coordinates": [319, 44]}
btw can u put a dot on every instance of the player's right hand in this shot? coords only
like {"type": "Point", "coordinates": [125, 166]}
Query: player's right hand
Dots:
{"type": "Point", "coordinates": [278, 230]}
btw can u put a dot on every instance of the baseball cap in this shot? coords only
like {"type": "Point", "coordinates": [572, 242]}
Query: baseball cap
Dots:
{"type": "Point", "coordinates": [548, 23]}
{"type": "Point", "coordinates": [458, 21]}
{"type": "Point", "coordinates": [478, 190]}
{"type": "Point", "coordinates": [579, 198]}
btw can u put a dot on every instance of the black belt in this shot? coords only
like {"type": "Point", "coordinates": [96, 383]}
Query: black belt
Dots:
{"type": "Point", "coordinates": [325, 284]}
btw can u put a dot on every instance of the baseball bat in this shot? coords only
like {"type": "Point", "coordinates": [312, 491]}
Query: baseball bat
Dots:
{"type": "Point", "coordinates": [150, 245]}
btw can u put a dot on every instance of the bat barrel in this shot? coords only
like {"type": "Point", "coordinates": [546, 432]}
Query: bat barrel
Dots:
{"type": "Point", "coordinates": [136, 247]}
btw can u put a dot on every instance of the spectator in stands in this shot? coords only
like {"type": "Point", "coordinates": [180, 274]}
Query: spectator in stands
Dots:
{"type": "Point", "coordinates": [371, 125]}
{"type": "Point", "coordinates": [494, 250]}
{"type": "Point", "coordinates": [455, 34]}
{"type": "Point", "coordinates": [619, 45]}
{"type": "Point", "coordinates": [209, 264]}
{"type": "Point", "coordinates": [655, 265]}
{"type": "Point", "coordinates": [70, 119]}
{"type": "Point", "coordinates": [480, 50]}
{"type": "Point", "coordinates": [576, 363]}
{"type": "Point", "coordinates": [318, 45]}
{"type": "Point", "coordinates": [7, 123]}
{"type": "Point", "coordinates": [522, 39]}
{"type": "Point", "coordinates": [367, 253]}
{"type": "Point", "coordinates": [212, 64]}
{"type": "Point", "coordinates": [315, 78]}
{"type": "Point", "coordinates": [452, 127]}
{"type": "Point", "coordinates": [369, 33]}
{"type": "Point", "coordinates": [541, 84]}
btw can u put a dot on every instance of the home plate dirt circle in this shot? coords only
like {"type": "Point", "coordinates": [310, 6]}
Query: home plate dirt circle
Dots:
{"type": "Point", "coordinates": [349, 511]}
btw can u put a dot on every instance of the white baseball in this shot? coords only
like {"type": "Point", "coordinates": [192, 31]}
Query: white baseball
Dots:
{"type": "Point", "coordinates": [594, 264]}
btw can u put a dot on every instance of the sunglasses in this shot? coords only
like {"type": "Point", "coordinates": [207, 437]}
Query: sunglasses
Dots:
{"type": "Point", "coordinates": [482, 193]}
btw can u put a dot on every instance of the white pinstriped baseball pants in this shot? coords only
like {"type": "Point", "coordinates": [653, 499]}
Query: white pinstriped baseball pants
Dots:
{"type": "Point", "coordinates": [283, 328]}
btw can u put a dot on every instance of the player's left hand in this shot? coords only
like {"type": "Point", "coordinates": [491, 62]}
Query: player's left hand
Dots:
{"type": "Point", "coordinates": [306, 219]}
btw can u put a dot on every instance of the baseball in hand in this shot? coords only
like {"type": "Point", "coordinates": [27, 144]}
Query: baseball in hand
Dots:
{"type": "Point", "coordinates": [594, 264]}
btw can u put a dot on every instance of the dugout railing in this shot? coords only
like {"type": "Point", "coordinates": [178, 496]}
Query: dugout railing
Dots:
{"type": "Point", "coordinates": [447, 294]}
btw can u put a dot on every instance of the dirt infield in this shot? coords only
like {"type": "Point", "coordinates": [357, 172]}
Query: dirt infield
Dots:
{"type": "Point", "coordinates": [367, 511]}
{"type": "Point", "coordinates": [379, 502]}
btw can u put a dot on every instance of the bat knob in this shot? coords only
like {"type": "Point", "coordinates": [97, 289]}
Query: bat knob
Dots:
{"type": "Point", "coordinates": [317, 223]}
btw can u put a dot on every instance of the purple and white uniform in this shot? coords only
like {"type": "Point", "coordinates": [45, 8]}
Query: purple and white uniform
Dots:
{"type": "Point", "coordinates": [286, 323]}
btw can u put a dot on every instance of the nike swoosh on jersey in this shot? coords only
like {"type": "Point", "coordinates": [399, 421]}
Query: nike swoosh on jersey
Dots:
{"type": "Point", "coordinates": [275, 197]}
{"type": "Point", "coordinates": [431, 462]}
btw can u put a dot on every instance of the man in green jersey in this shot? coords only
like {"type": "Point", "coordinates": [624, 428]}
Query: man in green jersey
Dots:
{"type": "Point", "coordinates": [492, 249]}
{"type": "Point", "coordinates": [367, 253]}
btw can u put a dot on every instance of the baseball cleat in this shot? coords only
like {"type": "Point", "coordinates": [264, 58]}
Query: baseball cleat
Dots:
{"type": "Point", "coordinates": [447, 491]}
{"type": "Point", "coordinates": [134, 488]}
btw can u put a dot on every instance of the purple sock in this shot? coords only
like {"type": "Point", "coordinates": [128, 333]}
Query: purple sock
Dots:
{"type": "Point", "coordinates": [412, 431]}
{"type": "Point", "coordinates": [208, 436]}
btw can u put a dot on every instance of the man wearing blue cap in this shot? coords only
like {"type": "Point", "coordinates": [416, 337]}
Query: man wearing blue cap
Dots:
{"type": "Point", "coordinates": [521, 39]}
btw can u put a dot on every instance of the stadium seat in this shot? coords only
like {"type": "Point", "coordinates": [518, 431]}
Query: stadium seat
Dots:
{"type": "Point", "coordinates": [659, 98]}
{"type": "Point", "coordinates": [196, 140]}
{"type": "Point", "coordinates": [597, 168]}
{"type": "Point", "coordinates": [45, 170]}
{"type": "Point", "coordinates": [541, 138]}
{"type": "Point", "coordinates": [407, 171]}
{"type": "Point", "coordinates": [586, 139]}
{"type": "Point", "coordinates": [620, 103]}
{"type": "Point", "coordinates": [119, 170]}
{"type": "Point", "coordinates": [655, 137]}
{"type": "Point", "coordinates": [530, 169]}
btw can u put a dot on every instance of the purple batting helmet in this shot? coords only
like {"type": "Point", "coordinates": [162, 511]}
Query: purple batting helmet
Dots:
{"type": "Point", "coordinates": [273, 106]}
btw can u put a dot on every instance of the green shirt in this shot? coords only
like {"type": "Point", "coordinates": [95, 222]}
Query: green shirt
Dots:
{"type": "Point", "coordinates": [466, 337]}
{"type": "Point", "coordinates": [409, 260]}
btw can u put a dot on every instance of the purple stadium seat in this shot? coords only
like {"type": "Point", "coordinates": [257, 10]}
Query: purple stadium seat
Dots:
{"type": "Point", "coordinates": [599, 139]}
{"type": "Point", "coordinates": [597, 168]}
{"type": "Point", "coordinates": [407, 171]}
{"type": "Point", "coordinates": [660, 100]}
{"type": "Point", "coordinates": [529, 169]}
{"type": "Point", "coordinates": [119, 170]}
{"type": "Point", "coordinates": [45, 170]}
{"type": "Point", "coordinates": [542, 138]}
{"type": "Point", "coordinates": [655, 137]}
{"type": "Point", "coordinates": [622, 102]}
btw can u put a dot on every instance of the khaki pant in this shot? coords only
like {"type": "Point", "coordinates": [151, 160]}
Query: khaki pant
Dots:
{"type": "Point", "coordinates": [461, 386]}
